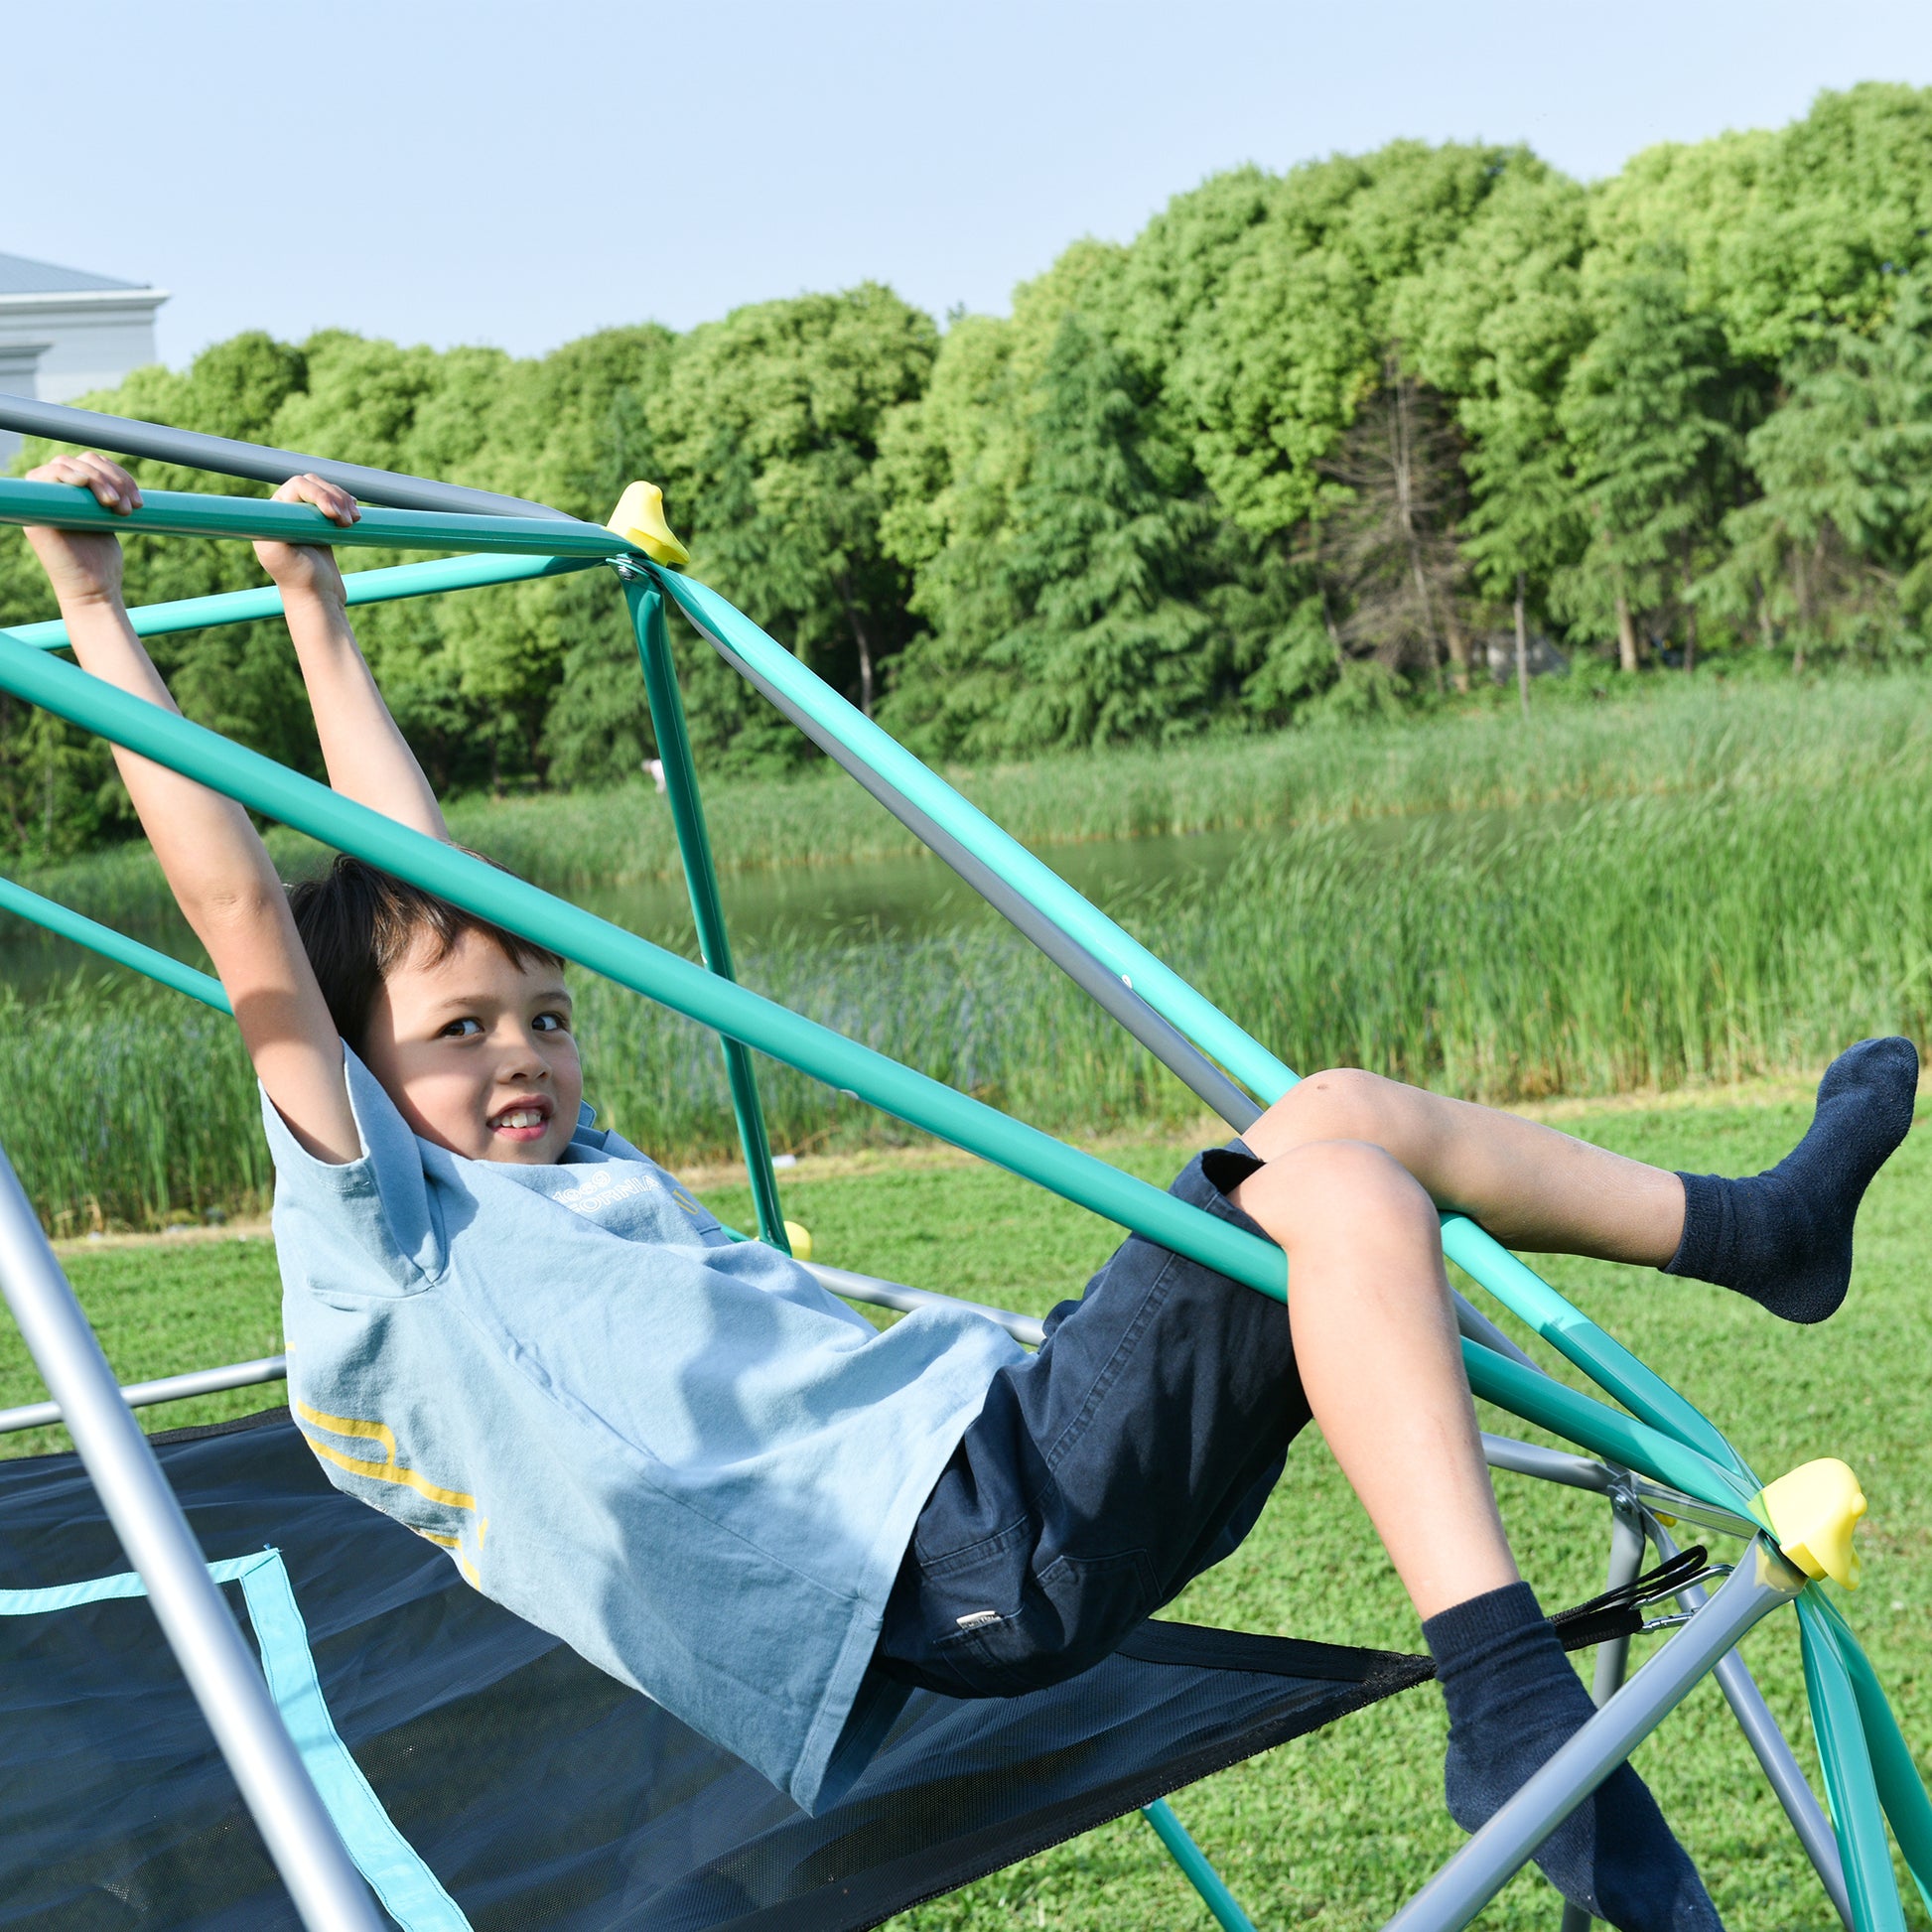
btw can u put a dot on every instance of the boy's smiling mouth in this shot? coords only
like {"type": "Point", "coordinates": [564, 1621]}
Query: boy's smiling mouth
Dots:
{"type": "Point", "coordinates": [522, 1120]}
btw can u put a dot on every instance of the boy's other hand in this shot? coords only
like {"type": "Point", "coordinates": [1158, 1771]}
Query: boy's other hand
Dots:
{"type": "Point", "coordinates": [310, 566]}
{"type": "Point", "coordinates": [85, 566]}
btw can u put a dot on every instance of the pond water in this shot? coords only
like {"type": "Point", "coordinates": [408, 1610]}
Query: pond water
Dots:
{"type": "Point", "coordinates": [903, 897]}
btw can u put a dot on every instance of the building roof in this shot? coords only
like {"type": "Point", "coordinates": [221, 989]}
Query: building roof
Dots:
{"type": "Point", "coordinates": [19, 276]}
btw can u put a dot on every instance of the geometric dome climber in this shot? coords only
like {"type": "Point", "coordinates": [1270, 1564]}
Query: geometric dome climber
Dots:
{"type": "Point", "coordinates": [397, 1748]}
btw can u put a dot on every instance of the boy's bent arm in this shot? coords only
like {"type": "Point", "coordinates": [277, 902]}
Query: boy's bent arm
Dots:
{"type": "Point", "coordinates": [366, 756]}
{"type": "Point", "coordinates": [216, 866]}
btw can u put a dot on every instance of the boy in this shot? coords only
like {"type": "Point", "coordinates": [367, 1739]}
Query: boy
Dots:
{"type": "Point", "coordinates": [519, 1336]}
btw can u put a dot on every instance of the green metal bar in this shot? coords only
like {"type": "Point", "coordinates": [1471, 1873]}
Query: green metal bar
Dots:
{"type": "Point", "coordinates": [113, 945]}
{"type": "Point", "coordinates": [171, 513]}
{"type": "Point", "coordinates": [687, 988]}
{"type": "Point", "coordinates": [1192, 1861]}
{"type": "Point", "coordinates": [1900, 1789]}
{"type": "Point", "coordinates": [1853, 1791]}
{"type": "Point", "coordinates": [745, 646]}
{"type": "Point", "coordinates": [1616, 1437]}
{"type": "Point", "coordinates": [362, 586]}
{"type": "Point", "coordinates": [1573, 1336]}
{"type": "Point", "coordinates": [701, 877]}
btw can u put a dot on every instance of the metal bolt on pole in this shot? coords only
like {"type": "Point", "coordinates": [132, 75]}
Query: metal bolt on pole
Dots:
{"type": "Point", "coordinates": [227, 1684]}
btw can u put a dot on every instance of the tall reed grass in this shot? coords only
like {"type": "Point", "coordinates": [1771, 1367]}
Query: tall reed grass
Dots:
{"type": "Point", "coordinates": [1650, 941]}
{"type": "Point", "coordinates": [1671, 736]}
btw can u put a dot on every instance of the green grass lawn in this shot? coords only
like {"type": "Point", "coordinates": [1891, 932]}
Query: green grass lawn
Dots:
{"type": "Point", "coordinates": [1333, 1831]}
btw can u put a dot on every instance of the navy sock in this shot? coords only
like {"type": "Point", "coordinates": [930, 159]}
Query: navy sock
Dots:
{"type": "Point", "coordinates": [1513, 1700]}
{"type": "Point", "coordinates": [1785, 1238]}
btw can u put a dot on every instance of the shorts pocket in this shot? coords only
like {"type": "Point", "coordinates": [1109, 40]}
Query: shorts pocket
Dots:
{"type": "Point", "coordinates": [1075, 1613]}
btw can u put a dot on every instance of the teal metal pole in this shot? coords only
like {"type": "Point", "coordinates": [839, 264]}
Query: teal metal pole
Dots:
{"type": "Point", "coordinates": [732, 1010]}
{"type": "Point", "coordinates": [113, 945]}
{"type": "Point", "coordinates": [1573, 1334]}
{"type": "Point", "coordinates": [1192, 1860]}
{"type": "Point", "coordinates": [1619, 1439]}
{"type": "Point", "coordinates": [746, 648]}
{"type": "Point", "coordinates": [364, 587]}
{"type": "Point", "coordinates": [687, 988]}
{"type": "Point", "coordinates": [1894, 1771]}
{"type": "Point", "coordinates": [743, 644]}
{"type": "Point", "coordinates": [701, 877]}
{"type": "Point", "coordinates": [1855, 1811]}
{"type": "Point", "coordinates": [170, 513]}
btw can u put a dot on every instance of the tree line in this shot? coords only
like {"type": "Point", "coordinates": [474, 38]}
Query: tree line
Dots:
{"type": "Point", "coordinates": [1325, 439]}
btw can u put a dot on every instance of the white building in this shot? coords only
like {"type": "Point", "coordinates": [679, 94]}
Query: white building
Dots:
{"type": "Point", "coordinates": [63, 331]}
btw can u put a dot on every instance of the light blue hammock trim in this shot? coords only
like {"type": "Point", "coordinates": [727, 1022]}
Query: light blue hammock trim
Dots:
{"type": "Point", "coordinates": [407, 1888]}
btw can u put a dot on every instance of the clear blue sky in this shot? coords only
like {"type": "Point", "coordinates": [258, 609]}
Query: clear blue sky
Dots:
{"type": "Point", "coordinates": [521, 174]}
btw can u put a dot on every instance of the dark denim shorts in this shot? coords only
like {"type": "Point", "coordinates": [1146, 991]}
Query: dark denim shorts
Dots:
{"type": "Point", "coordinates": [1133, 1451]}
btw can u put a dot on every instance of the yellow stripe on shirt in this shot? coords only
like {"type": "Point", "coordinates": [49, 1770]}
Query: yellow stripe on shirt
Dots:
{"type": "Point", "coordinates": [455, 1548]}
{"type": "Point", "coordinates": [388, 1469]}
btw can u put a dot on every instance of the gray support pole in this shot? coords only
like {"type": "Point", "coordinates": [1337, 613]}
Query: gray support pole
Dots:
{"type": "Point", "coordinates": [60, 423]}
{"type": "Point", "coordinates": [1627, 1560]}
{"type": "Point", "coordinates": [1773, 1753]}
{"type": "Point", "coordinates": [1760, 1584]}
{"type": "Point", "coordinates": [169, 1388]}
{"type": "Point", "coordinates": [220, 1670]}
{"type": "Point", "coordinates": [1475, 1326]}
{"type": "Point", "coordinates": [895, 1294]}
{"type": "Point", "coordinates": [1547, 1464]}
{"type": "Point", "coordinates": [1165, 1041]}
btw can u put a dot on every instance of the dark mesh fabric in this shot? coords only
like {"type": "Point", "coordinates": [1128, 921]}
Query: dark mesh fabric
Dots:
{"type": "Point", "coordinates": [542, 1793]}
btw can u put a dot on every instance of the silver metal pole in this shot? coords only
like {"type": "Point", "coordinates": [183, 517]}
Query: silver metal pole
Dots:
{"type": "Point", "coordinates": [1626, 1560]}
{"type": "Point", "coordinates": [61, 423]}
{"type": "Point", "coordinates": [1774, 1755]}
{"type": "Point", "coordinates": [169, 1388]}
{"type": "Point", "coordinates": [327, 1890]}
{"type": "Point", "coordinates": [895, 1294]}
{"type": "Point", "coordinates": [1548, 1464]}
{"type": "Point", "coordinates": [1161, 1038]}
{"type": "Point", "coordinates": [1473, 1325]}
{"type": "Point", "coordinates": [1165, 1041]}
{"type": "Point", "coordinates": [1758, 1586]}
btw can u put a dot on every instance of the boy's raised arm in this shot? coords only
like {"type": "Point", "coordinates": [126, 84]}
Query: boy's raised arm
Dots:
{"type": "Point", "coordinates": [366, 756]}
{"type": "Point", "coordinates": [218, 869]}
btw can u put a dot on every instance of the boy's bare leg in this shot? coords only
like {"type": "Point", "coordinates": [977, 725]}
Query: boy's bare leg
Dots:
{"type": "Point", "coordinates": [1376, 1345]}
{"type": "Point", "coordinates": [1782, 1237]}
{"type": "Point", "coordinates": [1376, 1348]}
{"type": "Point", "coordinates": [1531, 1187]}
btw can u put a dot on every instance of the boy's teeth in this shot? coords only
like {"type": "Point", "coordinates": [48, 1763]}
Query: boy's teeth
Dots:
{"type": "Point", "coordinates": [522, 1117]}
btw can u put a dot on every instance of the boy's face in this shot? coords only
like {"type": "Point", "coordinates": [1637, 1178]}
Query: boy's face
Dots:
{"type": "Point", "coordinates": [477, 1052]}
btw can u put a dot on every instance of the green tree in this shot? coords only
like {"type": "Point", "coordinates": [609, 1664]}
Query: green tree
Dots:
{"type": "Point", "coordinates": [1836, 556]}
{"type": "Point", "coordinates": [1134, 608]}
{"type": "Point", "coordinates": [769, 429]}
{"type": "Point", "coordinates": [1496, 324]}
{"type": "Point", "coordinates": [1650, 412]}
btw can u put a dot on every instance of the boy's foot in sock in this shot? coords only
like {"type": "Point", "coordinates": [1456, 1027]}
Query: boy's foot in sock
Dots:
{"type": "Point", "coordinates": [1785, 1238]}
{"type": "Point", "coordinates": [1513, 1701]}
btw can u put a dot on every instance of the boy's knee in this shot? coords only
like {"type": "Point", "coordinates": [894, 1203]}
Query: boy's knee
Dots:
{"type": "Point", "coordinates": [1341, 1103]}
{"type": "Point", "coordinates": [1320, 1184]}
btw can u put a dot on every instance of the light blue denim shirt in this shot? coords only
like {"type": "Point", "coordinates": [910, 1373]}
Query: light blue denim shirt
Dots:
{"type": "Point", "coordinates": [673, 1451]}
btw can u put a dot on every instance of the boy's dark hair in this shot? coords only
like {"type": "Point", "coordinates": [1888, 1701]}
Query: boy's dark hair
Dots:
{"type": "Point", "coordinates": [355, 923]}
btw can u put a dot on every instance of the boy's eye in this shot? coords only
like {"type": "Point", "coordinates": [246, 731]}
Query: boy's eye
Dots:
{"type": "Point", "coordinates": [459, 1029]}
{"type": "Point", "coordinates": [552, 1023]}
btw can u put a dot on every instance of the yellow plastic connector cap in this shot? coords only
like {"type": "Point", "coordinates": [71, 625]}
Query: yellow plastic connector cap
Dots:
{"type": "Point", "coordinates": [1814, 1511]}
{"type": "Point", "coordinates": [639, 517]}
{"type": "Point", "coordinates": [801, 1239]}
